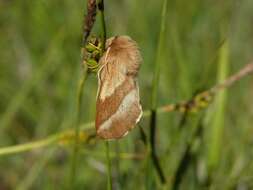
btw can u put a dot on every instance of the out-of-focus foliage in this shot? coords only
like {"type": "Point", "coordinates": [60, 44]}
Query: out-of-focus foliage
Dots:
{"type": "Point", "coordinates": [39, 69]}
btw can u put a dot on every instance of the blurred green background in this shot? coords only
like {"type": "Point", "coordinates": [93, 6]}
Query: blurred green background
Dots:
{"type": "Point", "coordinates": [206, 40]}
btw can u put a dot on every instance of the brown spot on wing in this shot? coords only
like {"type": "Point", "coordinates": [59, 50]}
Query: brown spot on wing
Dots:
{"type": "Point", "coordinates": [106, 108]}
{"type": "Point", "coordinates": [123, 123]}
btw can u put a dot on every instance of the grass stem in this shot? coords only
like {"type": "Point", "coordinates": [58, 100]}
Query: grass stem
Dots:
{"type": "Point", "coordinates": [103, 28]}
{"type": "Point", "coordinates": [108, 160]}
{"type": "Point", "coordinates": [155, 85]}
{"type": "Point", "coordinates": [218, 112]}
{"type": "Point", "coordinates": [57, 138]}
{"type": "Point", "coordinates": [77, 126]}
{"type": "Point", "coordinates": [29, 146]}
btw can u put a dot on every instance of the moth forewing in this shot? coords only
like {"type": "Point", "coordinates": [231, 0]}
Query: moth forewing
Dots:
{"type": "Point", "coordinates": [118, 103]}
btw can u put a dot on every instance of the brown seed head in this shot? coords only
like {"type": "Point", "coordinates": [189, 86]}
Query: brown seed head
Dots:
{"type": "Point", "coordinates": [89, 19]}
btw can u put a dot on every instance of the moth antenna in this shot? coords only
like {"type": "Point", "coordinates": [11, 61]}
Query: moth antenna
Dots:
{"type": "Point", "coordinates": [106, 54]}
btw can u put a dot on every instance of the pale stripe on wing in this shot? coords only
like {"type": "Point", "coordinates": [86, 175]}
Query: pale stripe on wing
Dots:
{"type": "Point", "coordinates": [124, 107]}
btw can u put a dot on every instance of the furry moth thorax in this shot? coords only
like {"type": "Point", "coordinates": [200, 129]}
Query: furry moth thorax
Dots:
{"type": "Point", "coordinates": [118, 106]}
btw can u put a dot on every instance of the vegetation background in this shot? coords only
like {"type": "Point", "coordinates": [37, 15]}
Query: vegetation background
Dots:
{"type": "Point", "coordinates": [206, 40]}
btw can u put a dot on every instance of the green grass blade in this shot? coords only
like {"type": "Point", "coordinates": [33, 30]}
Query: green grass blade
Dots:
{"type": "Point", "coordinates": [35, 170]}
{"type": "Point", "coordinates": [218, 112]}
{"type": "Point", "coordinates": [155, 91]}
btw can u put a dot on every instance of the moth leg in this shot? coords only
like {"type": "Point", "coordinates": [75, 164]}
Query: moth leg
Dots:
{"type": "Point", "coordinates": [92, 65]}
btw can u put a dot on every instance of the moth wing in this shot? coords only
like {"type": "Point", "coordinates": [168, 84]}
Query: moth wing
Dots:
{"type": "Point", "coordinates": [118, 104]}
{"type": "Point", "coordinates": [120, 112]}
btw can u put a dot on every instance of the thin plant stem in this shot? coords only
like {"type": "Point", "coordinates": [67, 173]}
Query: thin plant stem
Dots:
{"type": "Point", "coordinates": [109, 172]}
{"type": "Point", "coordinates": [103, 28]}
{"type": "Point", "coordinates": [58, 138]}
{"type": "Point", "coordinates": [77, 125]}
{"type": "Point", "coordinates": [187, 155]}
{"type": "Point", "coordinates": [217, 116]}
{"type": "Point", "coordinates": [155, 85]}
{"type": "Point", "coordinates": [88, 24]}
{"type": "Point", "coordinates": [102, 20]}
{"type": "Point", "coordinates": [29, 146]}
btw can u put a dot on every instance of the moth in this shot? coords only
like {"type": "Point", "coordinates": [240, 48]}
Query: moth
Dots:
{"type": "Point", "coordinates": [118, 107]}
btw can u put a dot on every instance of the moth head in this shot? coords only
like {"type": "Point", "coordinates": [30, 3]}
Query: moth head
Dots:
{"type": "Point", "coordinates": [118, 42]}
{"type": "Point", "coordinates": [124, 51]}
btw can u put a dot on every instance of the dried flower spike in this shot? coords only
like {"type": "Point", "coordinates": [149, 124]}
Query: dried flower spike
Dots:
{"type": "Point", "coordinates": [89, 19]}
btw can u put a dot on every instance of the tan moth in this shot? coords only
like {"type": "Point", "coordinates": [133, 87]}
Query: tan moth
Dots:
{"type": "Point", "coordinates": [118, 107]}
